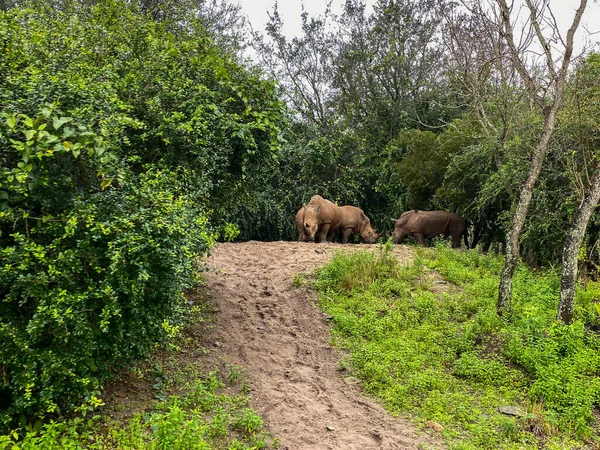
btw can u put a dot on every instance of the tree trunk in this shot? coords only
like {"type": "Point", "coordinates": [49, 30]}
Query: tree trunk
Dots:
{"type": "Point", "coordinates": [518, 221]}
{"type": "Point", "coordinates": [573, 243]}
{"type": "Point", "coordinates": [533, 86]}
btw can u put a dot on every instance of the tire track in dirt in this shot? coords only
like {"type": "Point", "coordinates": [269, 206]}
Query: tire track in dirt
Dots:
{"type": "Point", "coordinates": [280, 338]}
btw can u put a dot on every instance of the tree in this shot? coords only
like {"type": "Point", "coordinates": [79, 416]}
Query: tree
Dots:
{"type": "Point", "coordinates": [583, 122]}
{"type": "Point", "coordinates": [547, 92]}
{"type": "Point", "coordinates": [302, 65]}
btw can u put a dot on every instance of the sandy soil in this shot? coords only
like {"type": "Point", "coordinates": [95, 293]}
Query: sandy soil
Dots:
{"type": "Point", "coordinates": [280, 338]}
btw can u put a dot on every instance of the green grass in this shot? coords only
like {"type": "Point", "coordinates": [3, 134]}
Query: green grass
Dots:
{"type": "Point", "coordinates": [425, 339]}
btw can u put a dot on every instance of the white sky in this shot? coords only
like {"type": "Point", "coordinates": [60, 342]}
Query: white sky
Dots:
{"type": "Point", "coordinates": [290, 11]}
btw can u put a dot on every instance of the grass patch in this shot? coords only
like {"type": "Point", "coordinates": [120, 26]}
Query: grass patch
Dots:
{"type": "Point", "coordinates": [426, 340]}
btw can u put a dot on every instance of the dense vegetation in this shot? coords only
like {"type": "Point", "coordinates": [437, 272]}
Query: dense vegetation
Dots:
{"type": "Point", "coordinates": [192, 408]}
{"type": "Point", "coordinates": [411, 107]}
{"type": "Point", "coordinates": [425, 338]}
{"type": "Point", "coordinates": [124, 140]}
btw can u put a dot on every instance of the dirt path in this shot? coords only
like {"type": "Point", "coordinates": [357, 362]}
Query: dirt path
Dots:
{"type": "Point", "coordinates": [280, 338]}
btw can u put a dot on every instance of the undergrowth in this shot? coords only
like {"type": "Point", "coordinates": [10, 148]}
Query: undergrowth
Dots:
{"type": "Point", "coordinates": [426, 340]}
{"type": "Point", "coordinates": [191, 408]}
{"type": "Point", "coordinates": [202, 418]}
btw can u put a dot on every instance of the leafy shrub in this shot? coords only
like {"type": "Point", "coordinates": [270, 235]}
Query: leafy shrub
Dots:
{"type": "Point", "coordinates": [94, 287]}
{"type": "Point", "coordinates": [124, 140]}
{"type": "Point", "coordinates": [200, 418]}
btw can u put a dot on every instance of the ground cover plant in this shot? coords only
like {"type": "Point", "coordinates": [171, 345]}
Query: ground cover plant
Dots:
{"type": "Point", "coordinates": [426, 340]}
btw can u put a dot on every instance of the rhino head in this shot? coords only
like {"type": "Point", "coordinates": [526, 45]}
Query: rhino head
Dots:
{"type": "Point", "coordinates": [400, 233]}
{"type": "Point", "coordinates": [367, 233]}
{"type": "Point", "coordinates": [311, 222]}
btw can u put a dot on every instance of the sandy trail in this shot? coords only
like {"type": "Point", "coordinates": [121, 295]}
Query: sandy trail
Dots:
{"type": "Point", "coordinates": [280, 338]}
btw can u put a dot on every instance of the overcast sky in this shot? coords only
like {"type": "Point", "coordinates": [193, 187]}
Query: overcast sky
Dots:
{"type": "Point", "coordinates": [290, 11]}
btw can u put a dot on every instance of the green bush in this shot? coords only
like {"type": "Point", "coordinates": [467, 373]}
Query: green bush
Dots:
{"type": "Point", "coordinates": [201, 417]}
{"type": "Point", "coordinates": [94, 288]}
{"type": "Point", "coordinates": [123, 142]}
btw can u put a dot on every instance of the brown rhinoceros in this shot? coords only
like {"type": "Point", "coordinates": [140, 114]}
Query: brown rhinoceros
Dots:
{"type": "Point", "coordinates": [354, 220]}
{"type": "Point", "coordinates": [428, 224]}
{"type": "Point", "coordinates": [321, 220]}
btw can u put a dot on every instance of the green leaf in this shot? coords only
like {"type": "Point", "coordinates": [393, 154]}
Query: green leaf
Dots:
{"type": "Point", "coordinates": [105, 183]}
{"type": "Point", "coordinates": [29, 134]}
{"type": "Point", "coordinates": [11, 122]}
{"type": "Point", "coordinates": [27, 120]}
{"type": "Point", "coordinates": [68, 132]}
{"type": "Point", "coordinates": [59, 122]}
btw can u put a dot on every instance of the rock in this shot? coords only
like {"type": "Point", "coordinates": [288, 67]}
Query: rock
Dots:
{"type": "Point", "coordinates": [511, 411]}
{"type": "Point", "coordinates": [330, 428]}
{"type": "Point", "coordinates": [319, 251]}
{"type": "Point", "coordinates": [434, 425]}
{"type": "Point", "coordinates": [351, 380]}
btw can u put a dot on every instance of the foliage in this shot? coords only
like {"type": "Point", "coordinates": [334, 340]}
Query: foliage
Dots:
{"type": "Point", "coordinates": [435, 347]}
{"type": "Point", "coordinates": [127, 140]}
{"type": "Point", "coordinates": [201, 418]}
{"type": "Point", "coordinates": [86, 280]}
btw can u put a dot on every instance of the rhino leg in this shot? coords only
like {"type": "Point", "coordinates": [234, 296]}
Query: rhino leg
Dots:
{"type": "Point", "coordinates": [456, 241]}
{"type": "Point", "coordinates": [345, 235]}
{"type": "Point", "coordinates": [331, 235]}
{"type": "Point", "coordinates": [322, 233]}
{"type": "Point", "coordinates": [420, 238]}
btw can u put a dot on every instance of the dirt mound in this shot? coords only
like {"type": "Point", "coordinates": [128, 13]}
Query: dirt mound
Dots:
{"type": "Point", "coordinates": [280, 338]}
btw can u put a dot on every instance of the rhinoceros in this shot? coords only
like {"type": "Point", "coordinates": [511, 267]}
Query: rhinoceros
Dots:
{"type": "Point", "coordinates": [428, 224]}
{"type": "Point", "coordinates": [354, 220]}
{"type": "Point", "coordinates": [320, 220]}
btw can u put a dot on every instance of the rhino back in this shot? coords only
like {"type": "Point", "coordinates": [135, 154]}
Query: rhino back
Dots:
{"type": "Point", "coordinates": [435, 223]}
{"type": "Point", "coordinates": [328, 211]}
{"type": "Point", "coordinates": [349, 217]}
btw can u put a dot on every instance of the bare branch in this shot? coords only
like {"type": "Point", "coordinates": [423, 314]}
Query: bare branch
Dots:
{"type": "Point", "coordinates": [514, 52]}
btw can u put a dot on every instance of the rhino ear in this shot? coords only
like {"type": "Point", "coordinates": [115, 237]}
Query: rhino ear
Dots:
{"type": "Point", "coordinates": [394, 220]}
